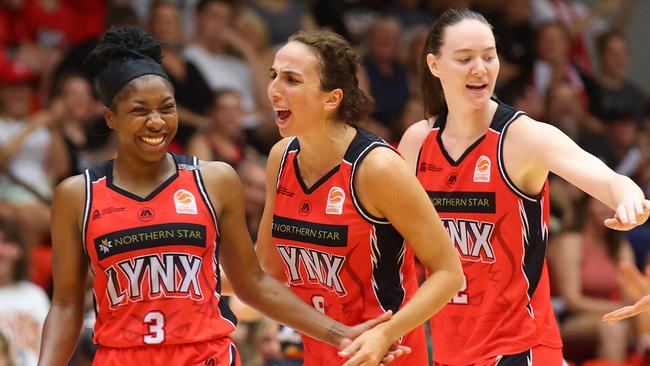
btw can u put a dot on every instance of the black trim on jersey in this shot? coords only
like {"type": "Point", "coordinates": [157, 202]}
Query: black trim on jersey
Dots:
{"type": "Point", "coordinates": [88, 203]}
{"type": "Point", "coordinates": [509, 116]}
{"type": "Point", "coordinates": [522, 359]}
{"type": "Point", "coordinates": [441, 121]}
{"type": "Point", "coordinates": [320, 182]}
{"type": "Point", "coordinates": [535, 238]}
{"type": "Point", "coordinates": [359, 148]}
{"type": "Point", "coordinates": [233, 354]}
{"type": "Point", "coordinates": [226, 313]}
{"type": "Point", "coordinates": [387, 260]}
{"type": "Point", "coordinates": [287, 149]}
{"type": "Point", "coordinates": [150, 196]}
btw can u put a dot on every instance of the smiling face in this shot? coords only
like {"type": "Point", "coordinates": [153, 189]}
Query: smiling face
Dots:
{"type": "Point", "coordinates": [295, 89]}
{"type": "Point", "coordinates": [144, 118]}
{"type": "Point", "coordinates": [467, 64]}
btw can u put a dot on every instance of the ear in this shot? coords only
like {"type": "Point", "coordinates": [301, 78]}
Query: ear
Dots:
{"type": "Point", "coordinates": [109, 117]}
{"type": "Point", "coordinates": [432, 62]}
{"type": "Point", "coordinates": [334, 99]}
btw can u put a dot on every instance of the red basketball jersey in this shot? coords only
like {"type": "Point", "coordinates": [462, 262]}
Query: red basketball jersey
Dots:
{"type": "Point", "coordinates": [339, 258]}
{"type": "Point", "coordinates": [155, 260]}
{"type": "Point", "coordinates": [501, 233]}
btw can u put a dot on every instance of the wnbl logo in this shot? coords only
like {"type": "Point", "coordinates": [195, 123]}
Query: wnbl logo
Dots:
{"type": "Point", "coordinates": [472, 239]}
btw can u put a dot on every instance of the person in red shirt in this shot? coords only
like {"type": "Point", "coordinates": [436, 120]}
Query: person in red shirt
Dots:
{"type": "Point", "coordinates": [341, 204]}
{"type": "Point", "coordinates": [154, 228]}
{"type": "Point", "coordinates": [485, 167]}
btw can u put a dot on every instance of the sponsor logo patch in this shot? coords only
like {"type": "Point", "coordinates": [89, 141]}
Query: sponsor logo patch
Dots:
{"type": "Point", "coordinates": [335, 201]}
{"type": "Point", "coordinates": [482, 169]}
{"type": "Point", "coordinates": [185, 202]}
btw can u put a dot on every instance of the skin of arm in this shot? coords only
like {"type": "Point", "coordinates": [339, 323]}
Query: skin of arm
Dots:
{"type": "Point", "coordinates": [69, 269]}
{"type": "Point", "coordinates": [199, 147]}
{"type": "Point", "coordinates": [532, 149]}
{"type": "Point", "coordinates": [388, 188]}
{"type": "Point", "coordinates": [266, 253]}
{"type": "Point", "coordinates": [565, 253]}
{"type": "Point", "coordinates": [247, 278]}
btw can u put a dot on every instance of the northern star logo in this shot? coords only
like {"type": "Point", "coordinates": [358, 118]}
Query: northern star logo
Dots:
{"type": "Point", "coordinates": [185, 202]}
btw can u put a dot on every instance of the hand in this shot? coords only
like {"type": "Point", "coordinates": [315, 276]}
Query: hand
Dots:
{"type": "Point", "coordinates": [393, 352]}
{"type": "Point", "coordinates": [637, 286]}
{"type": "Point", "coordinates": [629, 215]}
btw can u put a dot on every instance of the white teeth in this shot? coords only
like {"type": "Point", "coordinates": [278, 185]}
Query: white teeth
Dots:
{"type": "Point", "coordinates": [152, 140]}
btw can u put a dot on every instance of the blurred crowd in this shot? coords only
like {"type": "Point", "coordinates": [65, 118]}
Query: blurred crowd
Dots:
{"type": "Point", "coordinates": [562, 61]}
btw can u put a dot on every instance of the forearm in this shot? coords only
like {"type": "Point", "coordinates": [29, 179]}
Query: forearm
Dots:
{"type": "Point", "coordinates": [622, 189]}
{"type": "Point", "coordinates": [432, 295]}
{"type": "Point", "coordinates": [281, 304]}
{"type": "Point", "coordinates": [60, 334]}
{"type": "Point", "coordinates": [593, 305]}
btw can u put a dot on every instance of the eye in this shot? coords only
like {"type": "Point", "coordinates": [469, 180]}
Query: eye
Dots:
{"type": "Point", "coordinates": [464, 60]}
{"type": "Point", "coordinates": [489, 58]}
{"type": "Point", "coordinates": [292, 80]}
{"type": "Point", "coordinates": [273, 74]}
{"type": "Point", "coordinates": [139, 111]}
{"type": "Point", "coordinates": [169, 108]}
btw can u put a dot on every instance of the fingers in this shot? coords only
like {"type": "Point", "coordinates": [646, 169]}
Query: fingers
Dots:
{"type": "Point", "coordinates": [350, 349]}
{"type": "Point", "coordinates": [371, 323]}
{"type": "Point", "coordinates": [620, 314]}
{"type": "Point", "coordinates": [622, 214]}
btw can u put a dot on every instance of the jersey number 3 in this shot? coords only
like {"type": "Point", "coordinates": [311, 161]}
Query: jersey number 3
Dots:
{"type": "Point", "coordinates": [156, 322]}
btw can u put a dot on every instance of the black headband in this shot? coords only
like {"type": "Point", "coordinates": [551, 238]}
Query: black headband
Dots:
{"type": "Point", "coordinates": [118, 76]}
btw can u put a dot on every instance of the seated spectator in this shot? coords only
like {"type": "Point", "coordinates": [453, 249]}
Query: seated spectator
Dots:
{"type": "Point", "coordinates": [253, 177]}
{"type": "Point", "coordinates": [193, 94]}
{"type": "Point", "coordinates": [31, 157]}
{"type": "Point", "coordinates": [584, 265]}
{"type": "Point", "coordinates": [608, 89]}
{"type": "Point", "coordinates": [223, 139]}
{"type": "Point", "coordinates": [23, 305]}
{"type": "Point", "coordinates": [215, 50]}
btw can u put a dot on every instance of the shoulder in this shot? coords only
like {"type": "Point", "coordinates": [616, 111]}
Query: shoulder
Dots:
{"type": "Point", "coordinates": [277, 152]}
{"type": "Point", "coordinates": [381, 161]}
{"type": "Point", "coordinates": [73, 187]}
{"type": "Point", "coordinates": [217, 172]}
{"type": "Point", "coordinates": [530, 131]}
{"type": "Point", "coordinates": [413, 138]}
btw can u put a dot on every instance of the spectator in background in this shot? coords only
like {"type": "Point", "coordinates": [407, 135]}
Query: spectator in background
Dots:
{"type": "Point", "coordinates": [584, 265]}
{"type": "Point", "coordinates": [223, 139]}
{"type": "Point", "coordinates": [212, 51]}
{"type": "Point", "coordinates": [515, 40]}
{"type": "Point", "coordinates": [23, 305]}
{"type": "Point", "coordinates": [283, 18]}
{"type": "Point", "coordinates": [253, 177]}
{"type": "Point", "coordinates": [7, 357]}
{"type": "Point", "coordinates": [553, 63]}
{"type": "Point", "coordinates": [193, 95]}
{"type": "Point", "coordinates": [583, 23]}
{"type": "Point", "coordinates": [386, 77]}
{"type": "Point", "coordinates": [608, 89]}
{"type": "Point", "coordinates": [31, 157]}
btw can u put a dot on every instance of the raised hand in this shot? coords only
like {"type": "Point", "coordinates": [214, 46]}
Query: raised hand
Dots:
{"type": "Point", "coordinates": [637, 286]}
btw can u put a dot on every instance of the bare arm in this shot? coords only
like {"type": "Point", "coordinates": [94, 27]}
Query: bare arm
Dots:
{"type": "Point", "coordinates": [247, 278]}
{"type": "Point", "coordinates": [532, 149]}
{"type": "Point", "coordinates": [411, 142]}
{"type": "Point", "coordinates": [267, 254]}
{"type": "Point", "coordinates": [69, 269]}
{"type": "Point", "coordinates": [387, 188]}
{"type": "Point", "coordinates": [198, 146]}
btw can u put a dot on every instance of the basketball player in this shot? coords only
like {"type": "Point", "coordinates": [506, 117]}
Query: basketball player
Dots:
{"type": "Point", "coordinates": [155, 227]}
{"type": "Point", "coordinates": [485, 167]}
{"type": "Point", "coordinates": [340, 203]}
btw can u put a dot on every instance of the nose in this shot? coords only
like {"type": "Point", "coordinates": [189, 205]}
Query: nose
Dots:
{"type": "Point", "coordinates": [478, 68]}
{"type": "Point", "coordinates": [272, 91]}
{"type": "Point", "coordinates": [155, 121]}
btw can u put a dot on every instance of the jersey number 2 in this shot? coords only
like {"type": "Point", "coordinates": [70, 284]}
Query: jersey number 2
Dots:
{"type": "Point", "coordinates": [461, 297]}
{"type": "Point", "coordinates": [156, 322]}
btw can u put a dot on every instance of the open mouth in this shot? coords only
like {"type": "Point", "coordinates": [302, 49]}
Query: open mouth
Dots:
{"type": "Point", "coordinates": [152, 141]}
{"type": "Point", "coordinates": [283, 114]}
{"type": "Point", "coordinates": [476, 87]}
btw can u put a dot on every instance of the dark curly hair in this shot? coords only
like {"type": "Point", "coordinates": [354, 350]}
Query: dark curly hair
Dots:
{"type": "Point", "coordinates": [338, 69]}
{"type": "Point", "coordinates": [117, 46]}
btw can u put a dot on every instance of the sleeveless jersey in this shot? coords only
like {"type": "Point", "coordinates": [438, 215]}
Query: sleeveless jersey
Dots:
{"type": "Point", "coordinates": [338, 257]}
{"type": "Point", "coordinates": [501, 234]}
{"type": "Point", "coordinates": [155, 260]}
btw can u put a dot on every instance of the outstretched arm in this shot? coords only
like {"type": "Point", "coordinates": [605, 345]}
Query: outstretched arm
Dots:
{"type": "Point", "coordinates": [69, 268]}
{"type": "Point", "coordinates": [637, 286]}
{"type": "Point", "coordinates": [532, 149]}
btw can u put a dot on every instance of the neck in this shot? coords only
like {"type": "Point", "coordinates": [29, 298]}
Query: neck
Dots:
{"type": "Point", "coordinates": [465, 123]}
{"type": "Point", "coordinates": [321, 149]}
{"type": "Point", "coordinates": [213, 46]}
{"type": "Point", "coordinates": [130, 172]}
{"type": "Point", "coordinates": [609, 79]}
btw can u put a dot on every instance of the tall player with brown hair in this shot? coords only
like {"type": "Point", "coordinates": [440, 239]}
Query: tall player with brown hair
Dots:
{"type": "Point", "coordinates": [485, 167]}
{"type": "Point", "coordinates": [340, 202]}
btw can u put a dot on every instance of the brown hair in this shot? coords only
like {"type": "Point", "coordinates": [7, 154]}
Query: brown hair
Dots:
{"type": "Point", "coordinates": [433, 97]}
{"type": "Point", "coordinates": [338, 70]}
